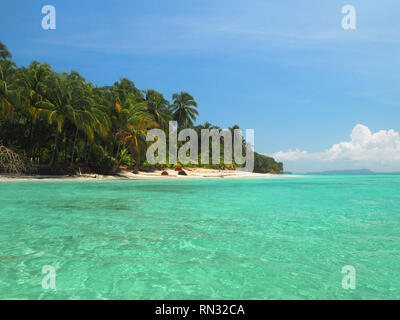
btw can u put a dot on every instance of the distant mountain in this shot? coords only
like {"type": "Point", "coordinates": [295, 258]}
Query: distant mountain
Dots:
{"type": "Point", "coordinates": [359, 171]}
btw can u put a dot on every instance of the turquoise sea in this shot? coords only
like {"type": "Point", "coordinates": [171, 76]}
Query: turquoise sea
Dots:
{"type": "Point", "coordinates": [280, 238]}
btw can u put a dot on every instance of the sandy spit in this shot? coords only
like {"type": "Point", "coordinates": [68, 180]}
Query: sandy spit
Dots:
{"type": "Point", "coordinates": [192, 173]}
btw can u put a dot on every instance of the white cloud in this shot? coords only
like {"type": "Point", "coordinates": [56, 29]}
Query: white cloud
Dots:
{"type": "Point", "coordinates": [378, 151]}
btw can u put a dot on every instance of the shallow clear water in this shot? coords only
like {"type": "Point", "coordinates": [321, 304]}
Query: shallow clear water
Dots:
{"type": "Point", "coordinates": [281, 238]}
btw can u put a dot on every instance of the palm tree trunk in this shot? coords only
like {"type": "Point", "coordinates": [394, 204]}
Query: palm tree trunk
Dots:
{"type": "Point", "coordinates": [84, 150]}
{"type": "Point", "coordinates": [53, 157]}
{"type": "Point", "coordinates": [73, 146]}
{"type": "Point", "coordinates": [30, 138]}
{"type": "Point", "coordinates": [89, 149]}
{"type": "Point", "coordinates": [65, 147]}
{"type": "Point", "coordinates": [137, 160]}
{"type": "Point", "coordinates": [117, 154]}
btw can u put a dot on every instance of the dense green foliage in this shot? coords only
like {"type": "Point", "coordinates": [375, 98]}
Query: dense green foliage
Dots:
{"type": "Point", "coordinates": [266, 164]}
{"type": "Point", "coordinates": [61, 122]}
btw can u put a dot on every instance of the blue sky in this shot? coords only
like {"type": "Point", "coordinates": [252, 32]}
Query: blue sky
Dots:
{"type": "Point", "coordinates": [288, 71]}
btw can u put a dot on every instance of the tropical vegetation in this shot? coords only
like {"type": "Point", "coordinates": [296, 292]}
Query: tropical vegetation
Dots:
{"type": "Point", "coordinates": [61, 123]}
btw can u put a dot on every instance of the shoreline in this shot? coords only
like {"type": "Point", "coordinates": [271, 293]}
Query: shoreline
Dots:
{"type": "Point", "coordinates": [192, 173]}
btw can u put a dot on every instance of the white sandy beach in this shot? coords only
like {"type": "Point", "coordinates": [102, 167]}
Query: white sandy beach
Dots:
{"type": "Point", "coordinates": [192, 173]}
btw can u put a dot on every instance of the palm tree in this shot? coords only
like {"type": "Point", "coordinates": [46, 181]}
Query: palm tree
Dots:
{"type": "Point", "coordinates": [34, 83]}
{"type": "Point", "coordinates": [184, 109]}
{"type": "Point", "coordinates": [134, 121]}
{"type": "Point", "coordinates": [4, 53]}
{"type": "Point", "coordinates": [125, 87]}
{"type": "Point", "coordinates": [158, 107]}
{"type": "Point", "coordinates": [58, 108]}
{"type": "Point", "coordinates": [124, 105]}
{"type": "Point", "coordinates": [23, 93]}
{"type": "Point", "coordinates": [134, 136]}
{"type": "Point", "coordinates": [70, 100]}
{"type": "Point", "coordinates": [7, 94]}
{"type": "Point", "coordinates": [89, 118]}
{"type": "Point", "coordinates": [206, 125]}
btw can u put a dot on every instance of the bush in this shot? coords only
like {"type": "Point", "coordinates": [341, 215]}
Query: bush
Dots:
{"type": "Point", "coordinates": [177, 165]}
{"type": "Point", "coordinates": [264, 164]}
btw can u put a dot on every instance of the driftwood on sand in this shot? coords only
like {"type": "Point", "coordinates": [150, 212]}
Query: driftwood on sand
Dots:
{"type": "Point", "coordinates": [10, 161]}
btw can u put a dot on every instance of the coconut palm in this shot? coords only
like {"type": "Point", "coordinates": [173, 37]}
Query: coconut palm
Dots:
{"type": "Point", "coordinates": [158, 107]}
{"type": "Point", "coordinates": [126, 87]}
{"type": "Point", "coordinates": [58, 108]}
{"type": "Point", "coordinates": [4, 53]}
{"type": "Point", "coordinates": [123, 103]}
{"type": "Point", "coordinates": [34, 82]}
{"type": "Point", "coordinates": [184, 109]}
{"type": "Point", "coordinates": [89, 118]}
{"type": "Point", "coordinates": [206, 125]}
{"type": "Point", "coordinates": [7, 92]}
{"type": "Point", "coordinates": [134, 134]}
